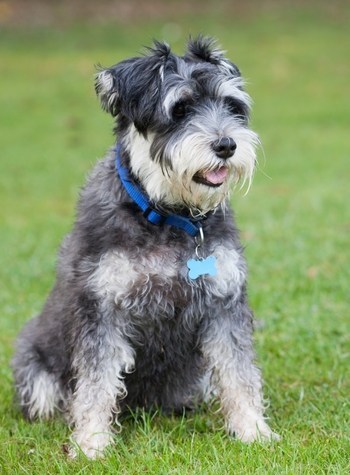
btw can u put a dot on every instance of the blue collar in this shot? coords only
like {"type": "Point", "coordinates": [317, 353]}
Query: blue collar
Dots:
{"type": "Point", "coordinates": [190, 226]}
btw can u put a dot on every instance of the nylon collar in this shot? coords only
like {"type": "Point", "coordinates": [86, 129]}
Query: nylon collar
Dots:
{"type": "Point", "coordinates": [190, 226]}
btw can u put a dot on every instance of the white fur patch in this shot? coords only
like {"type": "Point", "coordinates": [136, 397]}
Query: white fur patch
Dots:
{"type": "Point", "coordinates": [231, 272]}
{"type": "Point", "coordinates": [177, 93]}
{"type": "Point", "coordinates": [147, 171]}
{"type": "Point", "coordinates": [44, 396]}
{"type": "Point", "coordinates": [233, 88]}
{"type": "Point", "coordinates": [105, 81]}
{"type": "Point", "coordinates": [116, 273]}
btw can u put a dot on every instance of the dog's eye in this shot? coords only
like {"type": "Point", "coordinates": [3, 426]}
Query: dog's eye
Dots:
{"type": "Point", "coordinates": [180, 109]}
{"type": "Point", "coordinates": [235, 107]}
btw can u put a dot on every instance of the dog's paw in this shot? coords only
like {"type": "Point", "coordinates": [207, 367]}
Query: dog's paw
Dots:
{"type": "Point", "coordinates": [258, 434]}
{"type": "Point", "coordinates": [254, 431]}
{"type": "Point", "coordinates": [92, 446]}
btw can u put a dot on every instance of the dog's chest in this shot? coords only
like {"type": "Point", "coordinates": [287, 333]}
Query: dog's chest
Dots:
{"type": "Point", "coordinates": [159, 281]}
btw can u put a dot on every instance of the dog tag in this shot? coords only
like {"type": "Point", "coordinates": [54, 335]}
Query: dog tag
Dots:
{"type": "Point", "coordinates": [198, 267]}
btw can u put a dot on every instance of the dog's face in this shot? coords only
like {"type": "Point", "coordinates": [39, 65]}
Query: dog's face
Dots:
{"type": "Point", "coordinates": [183, 121]}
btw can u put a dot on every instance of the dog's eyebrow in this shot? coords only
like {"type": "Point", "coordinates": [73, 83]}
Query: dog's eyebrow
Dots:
{"type": "Point", "coordinates": [233, 87]}
{"type": "Point", "coordinates": [181, 91]}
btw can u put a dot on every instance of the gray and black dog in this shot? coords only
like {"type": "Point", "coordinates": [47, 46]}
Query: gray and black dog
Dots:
{"type": "Point", "coordinates": [149, 307]}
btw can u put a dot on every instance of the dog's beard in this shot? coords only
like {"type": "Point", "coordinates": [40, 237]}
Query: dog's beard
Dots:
{"type": "Point", "coordinates": [172, 177]}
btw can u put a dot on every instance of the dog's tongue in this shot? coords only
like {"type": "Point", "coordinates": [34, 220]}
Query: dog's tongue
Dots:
{"type": "Point", "coordinates": [216, 177]}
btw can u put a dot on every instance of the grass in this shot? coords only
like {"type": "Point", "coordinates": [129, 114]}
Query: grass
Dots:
{"type": "Point", "coordinates": [295, 224]}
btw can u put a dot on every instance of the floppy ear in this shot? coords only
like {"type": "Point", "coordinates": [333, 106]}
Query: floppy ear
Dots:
{"type": "Point", "coordinates": [206, 49]}
{"type": "Point", "coordinates": [110, 85]}
{"type": "Point", "coordinates": [132, 88]}
{"type": "Point", "coordinates": [107, 91]}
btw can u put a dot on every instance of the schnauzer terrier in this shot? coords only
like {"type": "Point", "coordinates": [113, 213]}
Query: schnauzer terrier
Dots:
{"type": "Point", "coordinates": [149, 307]}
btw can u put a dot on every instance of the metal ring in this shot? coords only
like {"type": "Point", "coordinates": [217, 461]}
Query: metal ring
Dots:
{"type": "Point", "coordinates": [197, 253]}
{"type": "Point", "coordinates": [200, 239]}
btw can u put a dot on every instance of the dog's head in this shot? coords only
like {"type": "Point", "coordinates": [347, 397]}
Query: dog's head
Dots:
{"type": "Point", "coordinates": [183, 121]}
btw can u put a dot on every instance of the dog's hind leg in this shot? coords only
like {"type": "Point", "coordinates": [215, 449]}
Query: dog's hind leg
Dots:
{"type": "Point", "coordinates": [39, 391]}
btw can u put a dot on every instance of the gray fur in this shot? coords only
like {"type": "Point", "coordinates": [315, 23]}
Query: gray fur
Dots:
{"type": "Point", "coordinates": [124, 326]}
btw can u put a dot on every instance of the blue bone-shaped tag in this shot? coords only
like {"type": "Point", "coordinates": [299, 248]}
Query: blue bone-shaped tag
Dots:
{"type": "Point", "coordinates": [201, 267]}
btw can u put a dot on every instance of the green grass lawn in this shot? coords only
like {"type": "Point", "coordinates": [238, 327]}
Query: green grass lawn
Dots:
{"type": "Point", "coordinates": [295, 224]}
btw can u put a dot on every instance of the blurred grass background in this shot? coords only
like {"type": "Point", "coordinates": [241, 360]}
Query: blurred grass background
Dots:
{"type": "Point", "coordinates": [295, 221]}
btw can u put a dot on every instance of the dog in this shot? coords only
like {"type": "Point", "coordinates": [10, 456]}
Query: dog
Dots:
{"type": "Point", "coordinates": [149, 308]}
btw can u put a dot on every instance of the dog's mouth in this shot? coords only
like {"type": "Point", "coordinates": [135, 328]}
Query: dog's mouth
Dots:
{"type": "Point", "coordinates": [213, 178]}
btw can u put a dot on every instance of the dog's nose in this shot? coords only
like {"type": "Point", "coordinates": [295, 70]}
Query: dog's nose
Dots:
{"type": "Point", "coordinates": [224, 147]}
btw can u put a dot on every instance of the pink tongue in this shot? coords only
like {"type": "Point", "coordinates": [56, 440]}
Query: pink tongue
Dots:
{"type": "Point", "coordinates": [217, 176]}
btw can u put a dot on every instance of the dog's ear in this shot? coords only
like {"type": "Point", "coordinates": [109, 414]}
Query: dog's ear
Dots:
{"type": "Point", "coordinates": [205, 49]}
{"type": "Point", "coordinates": [111, 85]}
{"type": "Point", "coordinates": [132, 87]}
{"type": "Point", "coordinates": [107, 91]}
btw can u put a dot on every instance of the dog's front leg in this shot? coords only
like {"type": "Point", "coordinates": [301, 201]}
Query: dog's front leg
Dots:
{"type": "Point", "coordinates": [100, 357]}
{"type": "Point", "coordinates": [227, 347]}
